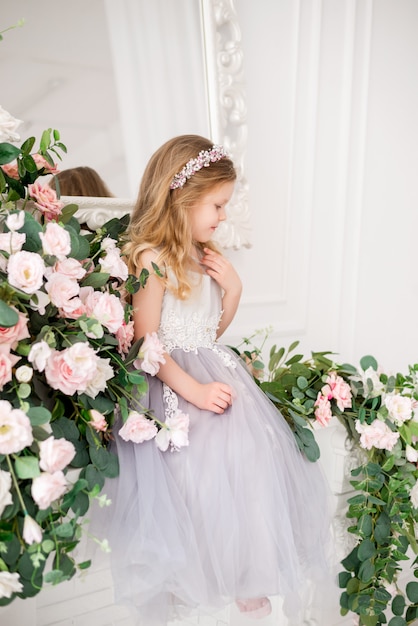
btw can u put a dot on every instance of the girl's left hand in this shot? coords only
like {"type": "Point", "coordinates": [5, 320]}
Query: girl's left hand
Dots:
{"type": "Point", "coordinates": [221, 270]}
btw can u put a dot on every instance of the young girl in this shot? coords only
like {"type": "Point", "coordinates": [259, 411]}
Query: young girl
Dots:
{"type": "Point", "coordinates": [239, 514]}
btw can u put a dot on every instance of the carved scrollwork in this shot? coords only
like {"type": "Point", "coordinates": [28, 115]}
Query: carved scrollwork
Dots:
{"type": "Point", "coordinates": [96, 211]}
{"type": "Point", "coordinates": [227, 108]}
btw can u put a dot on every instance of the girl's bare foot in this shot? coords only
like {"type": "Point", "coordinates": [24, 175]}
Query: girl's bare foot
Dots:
{"type": "Point", "coordinates": [256, 607]}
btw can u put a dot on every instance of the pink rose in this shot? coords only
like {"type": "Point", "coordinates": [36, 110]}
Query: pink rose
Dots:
{"type": "Point", "coordinates": [41, 162]}
{"type": "Point", "coordinates": [15, 429]}
{"type": "Point", "coordinates": [12, 242]}
{"type": "Point", "coordinates": [336, 388]}
{"type": "Point", "coordinates": [72, 369]}
{"type": "Point", "coordinates": [48, 487]}
{"type": "Point", "coordinates": [10, 169]}
{"type": "Point", "coordinates": [138, 428]}
{"type": "Point", "coordinates": [7, 361]}
{"type": "Point", "coordinates": [25, 271]}
{"type": "Point", "coordinates": [376, 435]}
{"type": "Point", "coordinates": [55, 454]}
{"type": "Point", "coordinates": [323, 411]}
{"type": "Point", "coordinates": [61, 289]}
{"type": "Point", "coordinates": [14, 334]}
{"type": "Point", "coordinates": [150, 355]}
{"type": "Point", "coordinates": [56, 240]}
{"type": "Point", "coordinates": [97, 421]}
{"type": "Point", "coordinates": [45, 200]}
{"type": "Point", "coordinates": [125, 336]}
{"type": "Point", "coordinates": [174, 432]}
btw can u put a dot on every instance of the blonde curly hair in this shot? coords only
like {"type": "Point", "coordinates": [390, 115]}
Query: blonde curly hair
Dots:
{"type": "Point", "coordinates": [160, 218]}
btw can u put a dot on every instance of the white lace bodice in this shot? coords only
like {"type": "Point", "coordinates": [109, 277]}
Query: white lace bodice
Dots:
{"type": "Point", "coordinates": [192, 323]}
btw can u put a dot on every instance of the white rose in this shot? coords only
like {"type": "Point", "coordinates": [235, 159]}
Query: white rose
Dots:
{"type": "Point", "coordinates": [9, 584]}
{"type": "Point", "coordinates": [411, 454]}
{"type": "Point", "coordinates": [8, 127]}
{"type": "Point", "coordinates": [114, 265]}
{"type": "Point", "coordinates": [16, 220]}
{"type": "Point", "coordinates": [5, 493]}
{"type": "Point", "coordinates": [108, 243]}
{"type": "Point", "coordinates": [24, 374]}
{"type": "Point", "coordinates": [12, 242]}
{"type": "Point", "coordinates": [399, 408]}
{"type": "Point", "coordinates": [377, 385]}
{"type": "Point", "coordinates": [39, 355]}
{"type": "Point", "coordinates": [39, 301]}
{"type": "Point", "coordinates": [98, 382]}
{"type": "Point", "coordinates": [32, 532]}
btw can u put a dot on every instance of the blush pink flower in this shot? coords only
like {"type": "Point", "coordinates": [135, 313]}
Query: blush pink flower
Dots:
{"type": "Point", "coordinates": [10, 169]}
{"type": "Point", "coordinates": [174, 432]}
{"type": "Point", "coordinates": [41, 162]}
{"type": "Point", "coordinates": [16, 333]}
{"type": "Point", "coordinates": [71, 370]}
{"type": "Point", "coordinates": [138, 428]}
{"type": "Point", "coordinates": [70, 267]}
{"type": "Point", "coordinates": [7, 362]}
{"type": "Point", "coordinates": [15, 429]}
{"type": "Point", "coordinates": [97, 421]}
{"type": "Point", "coordinates": [125, 337]}
{"type": "Point", "coordinates": [336, 388]}
{"type": "Point", "coordinates": [61, 289]}
{"type": "Point", "coordinates": [46, 200]}
{"type": "Point", "coordinates": [99, 378]}
{"type": "Point", "coordinates": [56, 240]}
{"type": "Point", "coordinates": [376, 435]}
{"type": "Point", "coordinates": [150, 355]}
{"type": "Point", "coordinates": [25, 271]}
{"type": "Point", "coordinates": [323, 413]}
{"type": "Point", "coordinates": [55, 454]}
{"type": "Point", "coordinates": [106, 308]}
{"type": "Point", "coordinates": [46, 488]}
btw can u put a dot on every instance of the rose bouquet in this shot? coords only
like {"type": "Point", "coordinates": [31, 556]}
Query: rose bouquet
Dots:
{"type": "Point", "coordinates": [67, 362]}
{"type": "Point", "coordinates": [380, 415]}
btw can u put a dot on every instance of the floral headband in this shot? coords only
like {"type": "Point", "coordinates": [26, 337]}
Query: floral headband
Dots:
{"type": "Point", "coordinates": [204, 159]}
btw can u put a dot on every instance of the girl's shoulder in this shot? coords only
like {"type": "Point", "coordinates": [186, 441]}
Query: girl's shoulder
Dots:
{"type": "Point", "coordinates": [148, 256]}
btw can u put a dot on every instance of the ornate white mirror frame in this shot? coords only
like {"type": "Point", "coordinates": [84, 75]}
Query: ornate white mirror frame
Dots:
{"type": "Point", "coordinates": [222, 54]}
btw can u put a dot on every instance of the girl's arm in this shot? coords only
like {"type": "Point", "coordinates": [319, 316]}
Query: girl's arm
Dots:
{"type": "Point", "coordinates": [147, 303]}
{"type": "Point", "coordinates": [226, 276]}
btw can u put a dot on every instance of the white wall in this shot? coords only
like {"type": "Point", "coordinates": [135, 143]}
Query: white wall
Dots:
{"type": "Point", "coordinates": [332, 101]}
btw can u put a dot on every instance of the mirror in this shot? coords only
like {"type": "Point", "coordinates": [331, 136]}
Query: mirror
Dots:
{"type": "Point", "coordinates": [76, 68]}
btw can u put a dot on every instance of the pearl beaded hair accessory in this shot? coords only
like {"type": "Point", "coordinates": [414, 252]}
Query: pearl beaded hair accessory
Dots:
{"type": "Point", "coordinates": [204, 159]}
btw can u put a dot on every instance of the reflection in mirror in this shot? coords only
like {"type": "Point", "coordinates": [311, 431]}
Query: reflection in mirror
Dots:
{"type": "Point", "coordinates": [121, 91]}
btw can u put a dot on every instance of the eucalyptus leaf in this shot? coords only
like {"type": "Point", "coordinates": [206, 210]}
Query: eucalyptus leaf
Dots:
{"type": "Point", "coordinates": [8, 316]}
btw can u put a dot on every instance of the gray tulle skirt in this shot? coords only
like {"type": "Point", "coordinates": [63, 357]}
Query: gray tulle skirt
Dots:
{"type": "Point", "coordinates": [239, 513]}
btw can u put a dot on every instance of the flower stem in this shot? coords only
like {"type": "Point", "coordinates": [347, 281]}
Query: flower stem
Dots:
{"type": "Point", "coordinates": [19, 494]}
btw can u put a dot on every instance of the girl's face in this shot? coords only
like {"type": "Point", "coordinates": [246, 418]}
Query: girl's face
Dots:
{"type": "Point", "coordinates": [206, 214]}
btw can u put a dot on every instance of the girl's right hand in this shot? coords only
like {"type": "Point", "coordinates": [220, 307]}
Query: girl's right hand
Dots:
{"type": "Point", "coordinates": [215, 397]}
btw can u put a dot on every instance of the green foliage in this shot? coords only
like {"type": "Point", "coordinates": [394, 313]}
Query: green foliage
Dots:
{"type": "Point", "coordinates": [380, 415]}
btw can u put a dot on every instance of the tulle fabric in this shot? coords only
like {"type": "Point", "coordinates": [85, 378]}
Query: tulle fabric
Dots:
{"type": "Point", "coordinates": [239, 513]}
